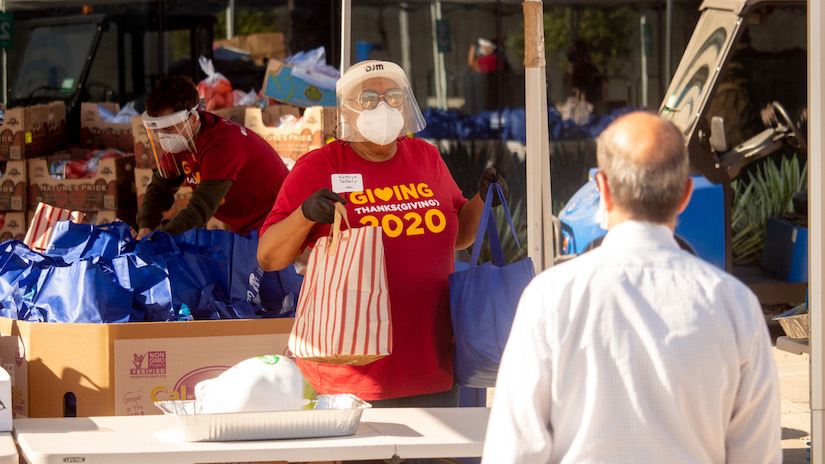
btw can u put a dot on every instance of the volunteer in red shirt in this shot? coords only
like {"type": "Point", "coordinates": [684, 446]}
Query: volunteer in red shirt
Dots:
{"type": "Point", "coordinates": [402, 184]}
{"type": "Point", "coordinates": [234, 173]}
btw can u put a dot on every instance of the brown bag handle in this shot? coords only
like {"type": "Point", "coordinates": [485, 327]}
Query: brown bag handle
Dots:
{"type": "Point", "coordinates": [340, 212]}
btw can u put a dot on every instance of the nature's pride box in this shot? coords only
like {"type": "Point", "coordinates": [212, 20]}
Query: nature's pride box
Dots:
{"type": "Point", "coordinates": [121, 369]}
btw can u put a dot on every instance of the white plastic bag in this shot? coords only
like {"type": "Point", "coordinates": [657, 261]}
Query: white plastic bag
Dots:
{"type": "Point", "coordinates": [265, 383]}
{"type": "Point", "coordinates": [215, 89]}
{"type": "Point", "coordinates": [577, 109]}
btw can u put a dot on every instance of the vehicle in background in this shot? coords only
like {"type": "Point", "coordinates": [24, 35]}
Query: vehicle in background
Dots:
{"type": "Point", "coordinates": [745, 60]}
{"type": "Point", "coordinates": [116, 56]}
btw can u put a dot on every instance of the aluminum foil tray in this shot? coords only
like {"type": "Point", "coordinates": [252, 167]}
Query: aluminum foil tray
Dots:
{"type": "Point", "coordinates": [794, 322]}
{"type": "Point", "coordinates": [334, 415]}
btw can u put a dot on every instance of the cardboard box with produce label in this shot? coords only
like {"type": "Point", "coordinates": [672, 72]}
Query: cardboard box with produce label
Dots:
{"type": "Point", "coordinates": [13, 186]}
{"type": "Point", "coordinates": [110, 188]}
{"type": "Point", "coordinates": [315, 127]}
{"type": "Point", "coordinates": [25, 131]}
{"type": "Point", "coordinates": [144, 158]}
{"type": "Point", "coordinates": [98, 134]}
{"type": "Point", "coordinates": [60, 369]}
{"type": "Point", "coordinates": [13, 225]}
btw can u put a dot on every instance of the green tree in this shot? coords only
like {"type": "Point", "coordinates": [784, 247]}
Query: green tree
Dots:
{"type": "Point", "coordinates": [250, 21]}
{"type": "Point", "coordinates": [605, 32]}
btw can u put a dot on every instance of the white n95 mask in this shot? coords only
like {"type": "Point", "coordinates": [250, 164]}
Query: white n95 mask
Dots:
{"type": "Point", "coordinates": [172, 143]}
{"type": "Point", "coordinates": [380, 125]}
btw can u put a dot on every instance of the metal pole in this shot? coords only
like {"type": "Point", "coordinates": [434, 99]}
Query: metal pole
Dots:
{"type": "Point", "coordinates": [404, 31]}
{"type": "Point", "coordinates": [642, 29]}
{"type": "Point", "coordinates": [346, 34]}
{"type": "Point", "coordinates": [5, 78]}
{"type": "Point", "coordinates": [816, 224]}
{"type": "Point", "coordinates": [440, 73]}
{"type": "Point", "coordinates": [668, 34]}
{"type": "Point", "coordinates": [230, 19]}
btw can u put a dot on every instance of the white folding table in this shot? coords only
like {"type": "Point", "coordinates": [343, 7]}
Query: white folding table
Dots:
{"type": "Point", "coordinates": [382, 434]}
{"type": "Point", "coordinates": [8, 450]}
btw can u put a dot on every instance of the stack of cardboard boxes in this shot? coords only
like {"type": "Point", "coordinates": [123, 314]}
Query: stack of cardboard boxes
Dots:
{"type": "Point", "coordinates": [105, 196]}
{"type": "Point", "coordinates": [26, 133]}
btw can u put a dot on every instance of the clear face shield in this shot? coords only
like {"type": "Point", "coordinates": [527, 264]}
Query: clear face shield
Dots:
{"type": "Point", "coordinates": [172, 139]}
{"type": "Point", "coordinates": [376, 104]}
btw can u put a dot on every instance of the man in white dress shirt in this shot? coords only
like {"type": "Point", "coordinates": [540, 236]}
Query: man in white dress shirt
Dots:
{"type": "Point", "coordinates": [637, 351]}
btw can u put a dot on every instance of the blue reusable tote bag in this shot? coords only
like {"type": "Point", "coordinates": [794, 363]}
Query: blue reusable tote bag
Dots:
{"type": "Point", "coordinates": [483, 300]}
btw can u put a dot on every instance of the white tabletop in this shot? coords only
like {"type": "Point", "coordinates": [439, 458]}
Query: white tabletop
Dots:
{"type": "Point", "coordinates": [8, 450]}
{"type": "Point", "coordinates": [382, 433]}
{"type": "Point", "coordinates": [431, 432]}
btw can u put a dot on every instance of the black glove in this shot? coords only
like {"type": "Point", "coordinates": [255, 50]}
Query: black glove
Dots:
{"type": "Point", "coordinates": [487, 177]}
{"type": "Point", "coordinates": [319, 206]}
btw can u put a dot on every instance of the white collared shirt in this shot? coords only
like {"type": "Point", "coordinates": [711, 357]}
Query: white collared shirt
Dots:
{"type": "Point", "coordinates": [636, 352]}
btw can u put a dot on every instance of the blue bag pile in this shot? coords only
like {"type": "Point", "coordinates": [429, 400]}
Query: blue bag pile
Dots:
{"type": "Point", "coordinates": [99, 274]}
{"type": "Point", "coordinates": [511, 124]}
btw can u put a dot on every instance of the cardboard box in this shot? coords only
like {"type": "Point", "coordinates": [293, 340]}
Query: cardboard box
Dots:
{"type": "Point", "coordinates": [100, 217]}
{"type": "Point", "coordinates": [235, 114]}
{"type": "Point", "coordinates": [786, 249]}
{"type": "Point", "coordinates": [316, 127]}
{"type": "Point", "coordinates": [13, 185]}
{"type": "Point", "coordinates": [13, 225]}
{"type": "Point", "coordinates": [96, 134]}
{"type": "Point", "coordinates": [144, 158]}
{"type": "Point", "coordinates": [142, 179]}
{"type": "Point", "coordinates": [57, 131]}
{"type": "Point", "coordinates": [260, 46]}
{"type": "Point", "coordinates": [112, 187]}
{"type": "Point", "coordinates": [25, 131]}
{"type": "Point", "coordinates": [121, 369]}
{"type": "Point", "coordinates": [280, 84]}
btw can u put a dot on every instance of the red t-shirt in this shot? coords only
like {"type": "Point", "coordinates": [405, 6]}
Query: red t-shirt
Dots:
{"type": "Point", "coordinates": [489, 63]}
{"type": "Point", "coordinates": [228, 151]}
{"type": "Point", "coordinates": [408, 195]}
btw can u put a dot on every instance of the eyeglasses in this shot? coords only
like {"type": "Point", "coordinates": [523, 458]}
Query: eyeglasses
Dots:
{"type": "Point", "coordinates": [369, 99]}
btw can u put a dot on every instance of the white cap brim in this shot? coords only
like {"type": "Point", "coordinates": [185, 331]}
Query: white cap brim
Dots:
{"type": "Point", "coordinates": [369, 70]}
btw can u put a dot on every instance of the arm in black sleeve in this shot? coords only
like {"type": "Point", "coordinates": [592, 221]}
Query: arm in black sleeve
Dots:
{"type": "Point", "coordinates": [205, 201]}
{"type": "Point", "coordinates": [159, 197]}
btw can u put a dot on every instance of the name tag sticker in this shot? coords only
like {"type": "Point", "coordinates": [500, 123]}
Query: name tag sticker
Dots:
{"type": "Point", "coordinates": [347, 183]}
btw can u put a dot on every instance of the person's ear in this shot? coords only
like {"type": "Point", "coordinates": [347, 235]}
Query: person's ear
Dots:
{"type": "Point", "coordinates": [686, 196]}
{"type": "Point", "coordinates": [604, 190]}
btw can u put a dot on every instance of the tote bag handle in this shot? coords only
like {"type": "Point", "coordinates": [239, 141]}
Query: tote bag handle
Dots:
{"type": "Point", "coordinates": [335, 233]}
{"type": "Point", "coordinates": [487, 222]}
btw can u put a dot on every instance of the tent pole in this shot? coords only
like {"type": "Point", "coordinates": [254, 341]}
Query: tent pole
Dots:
{"type": "Point", "coordinates": [539, 201]}
{"type": "Point", "coordinates": [404, 32]}
{"type": "Point", "coordinates": [230, 19]}
{"type": "Point", "coordinates": [346, 35]}
{"type": "Point", "coordinates": [816, 224]}
{"type": "Point", "coordinates": [440, 72]}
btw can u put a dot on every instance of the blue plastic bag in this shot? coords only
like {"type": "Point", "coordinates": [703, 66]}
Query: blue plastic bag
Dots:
{"type": "Point", "coordinates": [78, 292]}
{"type": "Point", "coordinates": [19, 270]}
{"type": "Point", "coordinates": [240, 253]}
{"type": "Point", "coordinates": [85, 241]}
{"type": "Point", "coordinates": [150, 287]}
{"type": "Point", "coordinates": [483, 301]}
{"type": "Point", "coordinates": [276, 291]}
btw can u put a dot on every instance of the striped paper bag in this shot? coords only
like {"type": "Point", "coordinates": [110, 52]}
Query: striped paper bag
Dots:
{"type": "Point", "coordinates": [343, 312]}
{"type": "Point", "coordinates": [43, 222]}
